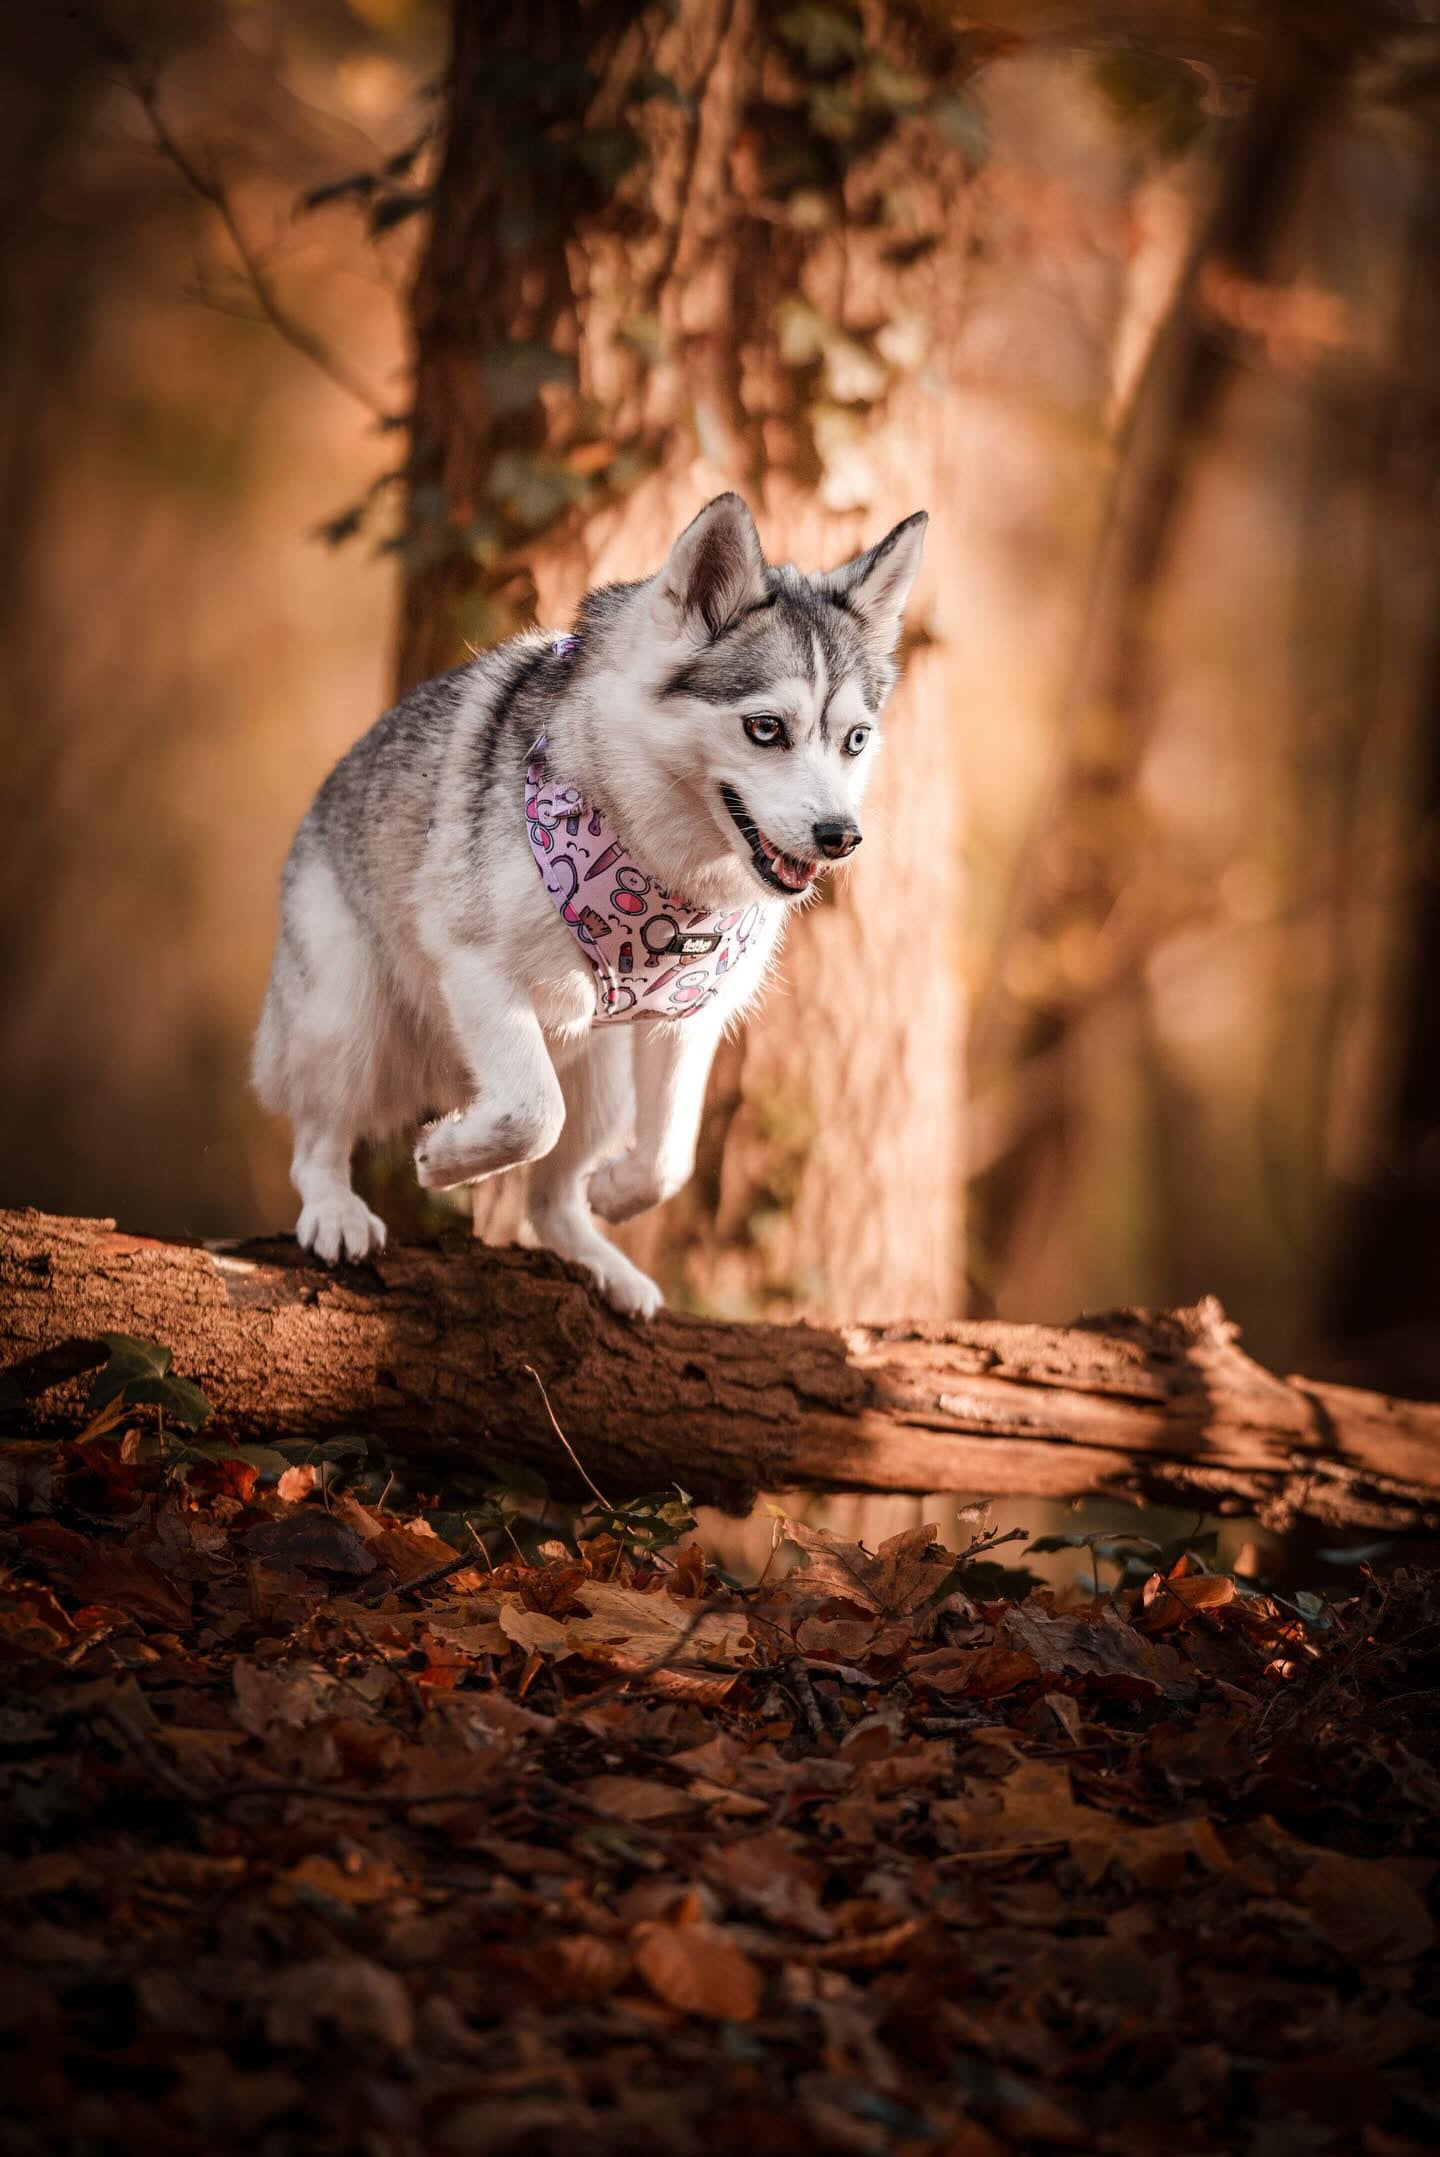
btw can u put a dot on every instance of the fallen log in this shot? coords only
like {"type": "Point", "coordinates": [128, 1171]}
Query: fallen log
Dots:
{"type": "Point", "coordinates": [426, 1348]}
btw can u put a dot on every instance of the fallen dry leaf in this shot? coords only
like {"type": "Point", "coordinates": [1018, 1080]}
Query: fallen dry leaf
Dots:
{"type": "Point", "coordinates": [910, 1575]}
{"type": "Point", "coordinates": [1171, 1602]}
{"type": "Point", "coordinates": [631, 1797]}
{"type": "Point", "coordinates": [493, 1866]}
{"type": "Point", "coordinates": [312, 1540]}
{"type": "Point", "coordinates": [342, 1996]}
{"type": "Point", "coordinates": [1365, 1909]}
{"type": "Point", "coordinates": [697, 1970]}
{"type": "Point", "coordinates": [640, 1627]}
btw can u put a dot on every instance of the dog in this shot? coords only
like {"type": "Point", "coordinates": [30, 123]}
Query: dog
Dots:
{"type": "Point", "coordinates": [526, 905]}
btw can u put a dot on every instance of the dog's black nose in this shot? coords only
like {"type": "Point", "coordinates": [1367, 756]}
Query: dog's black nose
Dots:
{"type": "Point", "coordinates": [835, 840]}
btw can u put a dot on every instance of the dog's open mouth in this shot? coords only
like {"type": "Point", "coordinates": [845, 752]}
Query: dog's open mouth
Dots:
{"type": "Point", "coordinates": [782, 872]}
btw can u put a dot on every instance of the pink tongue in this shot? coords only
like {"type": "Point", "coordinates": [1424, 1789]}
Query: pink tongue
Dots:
{"type": "Point", "coordinates": [792, 872]}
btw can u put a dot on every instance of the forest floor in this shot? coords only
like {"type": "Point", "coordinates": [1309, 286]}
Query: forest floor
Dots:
{"type": "Point", "coordinates": [314, 1846]}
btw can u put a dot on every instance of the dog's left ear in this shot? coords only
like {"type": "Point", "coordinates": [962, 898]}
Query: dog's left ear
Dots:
{"type": "Point", "coordinates": [877, 584]}
{"type": "Point", "coordinates": [714, 570]}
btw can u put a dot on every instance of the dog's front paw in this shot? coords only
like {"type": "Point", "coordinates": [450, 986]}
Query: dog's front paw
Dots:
{"type": "Point", "coordinates": [631, 1185]}
{"type": "Point", "coordinates": [481, 1142]}
{"type": "Point", "coordinates": [624, 1287]}
{"type": "Point", "coordinates": [437, 1165]}
{"type": "Point", "coordinates": [343, 1224]}
{"type": "Point", "coordinates": [460, 1150]}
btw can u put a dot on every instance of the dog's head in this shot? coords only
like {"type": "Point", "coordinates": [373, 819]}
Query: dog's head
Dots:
{"type": "Point", "coordinates": [756, 693]}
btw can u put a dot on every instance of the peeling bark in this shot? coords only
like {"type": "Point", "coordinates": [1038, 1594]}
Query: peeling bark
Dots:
{"type": "Point", "coordinates": [426, 1348]}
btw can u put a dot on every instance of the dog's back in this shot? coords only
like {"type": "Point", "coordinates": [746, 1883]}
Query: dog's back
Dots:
{"type": "Point", "coordinates": [340, 1017]}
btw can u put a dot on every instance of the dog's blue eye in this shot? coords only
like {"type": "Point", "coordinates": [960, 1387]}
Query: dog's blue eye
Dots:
{"type": "Point", "coordinates": [765, 730]}
{"type": "Point", "coordinates": [856, 739]}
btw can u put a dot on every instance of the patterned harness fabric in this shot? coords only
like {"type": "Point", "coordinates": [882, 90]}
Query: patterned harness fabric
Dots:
{"type": "Point", "coordinates": [653, 954]}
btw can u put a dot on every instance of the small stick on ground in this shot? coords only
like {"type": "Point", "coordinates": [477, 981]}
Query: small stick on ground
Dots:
{"type": "Point", "coordinates": [378, 1593]}
{"type": "Point", "coordinates": [647, 1670]}
{"type": "Point", "coordinates": [575, 1457]}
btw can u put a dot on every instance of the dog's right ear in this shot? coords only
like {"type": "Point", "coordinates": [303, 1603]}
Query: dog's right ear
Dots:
{"type": "Point", "coordinates": [714, 570]}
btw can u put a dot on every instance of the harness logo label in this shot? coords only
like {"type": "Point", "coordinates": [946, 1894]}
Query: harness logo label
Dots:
{"type": "Point", "coordinates": [689, 944]}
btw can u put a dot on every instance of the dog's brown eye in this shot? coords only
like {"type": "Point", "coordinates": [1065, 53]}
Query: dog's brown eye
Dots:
{"type": "Point", "coordinates": [765, 730]}
{"type": "Point", "coordinates": [856, 739]}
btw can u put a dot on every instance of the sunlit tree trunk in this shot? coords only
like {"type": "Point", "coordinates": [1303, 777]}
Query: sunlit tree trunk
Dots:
{"type": "Point", "coordinates": [597, 353]}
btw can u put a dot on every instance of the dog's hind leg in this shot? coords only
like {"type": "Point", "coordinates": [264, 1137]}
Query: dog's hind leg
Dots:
{"type": "Point", "coordinates": [325, 1013]}
{"type": "Point", "coordinates": [599, 1102]}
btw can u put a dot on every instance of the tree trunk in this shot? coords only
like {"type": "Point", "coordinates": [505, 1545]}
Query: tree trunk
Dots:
{"type": "Point", "coordinates": [830, 1169]}
{"type": "Point", "coordinates": [427, 1348]}
{"type": "Point", "coordinates": [1384, 1293]}
{"type": "Point", "coordinates": [1081, 857]}
{"type": "Point", "coordinates": [1381, 1316]}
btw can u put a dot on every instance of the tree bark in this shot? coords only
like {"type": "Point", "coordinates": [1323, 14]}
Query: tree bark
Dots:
{"type": "Point", "coordinates": [427, 1348]}
{"type": "Point", "coordinates": [831, 1164]}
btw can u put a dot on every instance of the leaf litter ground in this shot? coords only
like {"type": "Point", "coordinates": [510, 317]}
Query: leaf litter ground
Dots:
{"type": "Point", "coordinates": [326, 1834]}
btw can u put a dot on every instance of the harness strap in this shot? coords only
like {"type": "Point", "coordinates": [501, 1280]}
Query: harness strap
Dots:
{"type": "Point", "coordinates": [653, 955]}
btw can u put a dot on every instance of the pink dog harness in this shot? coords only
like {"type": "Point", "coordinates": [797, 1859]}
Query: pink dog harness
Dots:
{"type": "Point", "coordinates": [654, 955]}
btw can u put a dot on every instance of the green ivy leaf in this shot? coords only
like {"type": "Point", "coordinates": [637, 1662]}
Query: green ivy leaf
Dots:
{"type": "Point", "coordinates": [653, 82]}
{"type": "Point", "coordinates": [825, 40]}
{"type": "Point", "coordinates": [959, 122]}
{"type": "Point", "coordinates": [129, 1359]}
{"type": "Point", "coordinates": [515, 374]}
{"type": "Point", "coordinates": [180, 1399]}
{"type": "Point", "coordinates": [267, 1458]}
{"type": "Point", "coordinates": [138, 1372]}
{"type": "Point", "coordinates": [651, 1522]}
{"type": "Point", "coordinates": [607, 154]}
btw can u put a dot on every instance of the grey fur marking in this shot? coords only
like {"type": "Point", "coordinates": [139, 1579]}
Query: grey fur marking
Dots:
{"type": "Point", "coordinates": [776, 640]}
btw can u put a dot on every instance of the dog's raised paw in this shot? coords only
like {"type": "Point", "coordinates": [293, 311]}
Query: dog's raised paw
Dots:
{"type": "Point", "coordinates": [340, 1227]}
{"type": "Point", "coordinates": [623, 1188]}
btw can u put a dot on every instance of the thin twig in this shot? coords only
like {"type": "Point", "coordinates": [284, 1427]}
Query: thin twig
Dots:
{"type": "Point", "coordinates": [589, 1479]}
{"type": "Point", "coordinates": [647, 1670]}
{"type": "Point", "coordinates": [479, 1544]}
{"type": "Point", "coordinates": [1005, 1850]}
{"type": "Point", "coordinates": [209, 190]}
{"type": "Point", "coordinates": [992, 1539]}
{"type": "Point", "coordinates": [421, 1580]}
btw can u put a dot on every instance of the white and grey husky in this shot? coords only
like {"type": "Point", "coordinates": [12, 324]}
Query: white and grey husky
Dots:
{"type": "Point", "coordinates": [564, 836]}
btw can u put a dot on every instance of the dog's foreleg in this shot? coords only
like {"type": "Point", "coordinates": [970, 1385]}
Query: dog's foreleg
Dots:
{"type": "Point", "coordinates": [335, 1221]}
{"type": "Point", "coordinates": [518, 1110]}
{"type": "Point", "coordinates": [672, 1063]}
{"type": "Point", "coordinates": [598, 1106]}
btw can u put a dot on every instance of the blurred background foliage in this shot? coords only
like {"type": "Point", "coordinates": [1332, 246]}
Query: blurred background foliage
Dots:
{"type": "Point", "coordinates": [1152, 289]}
